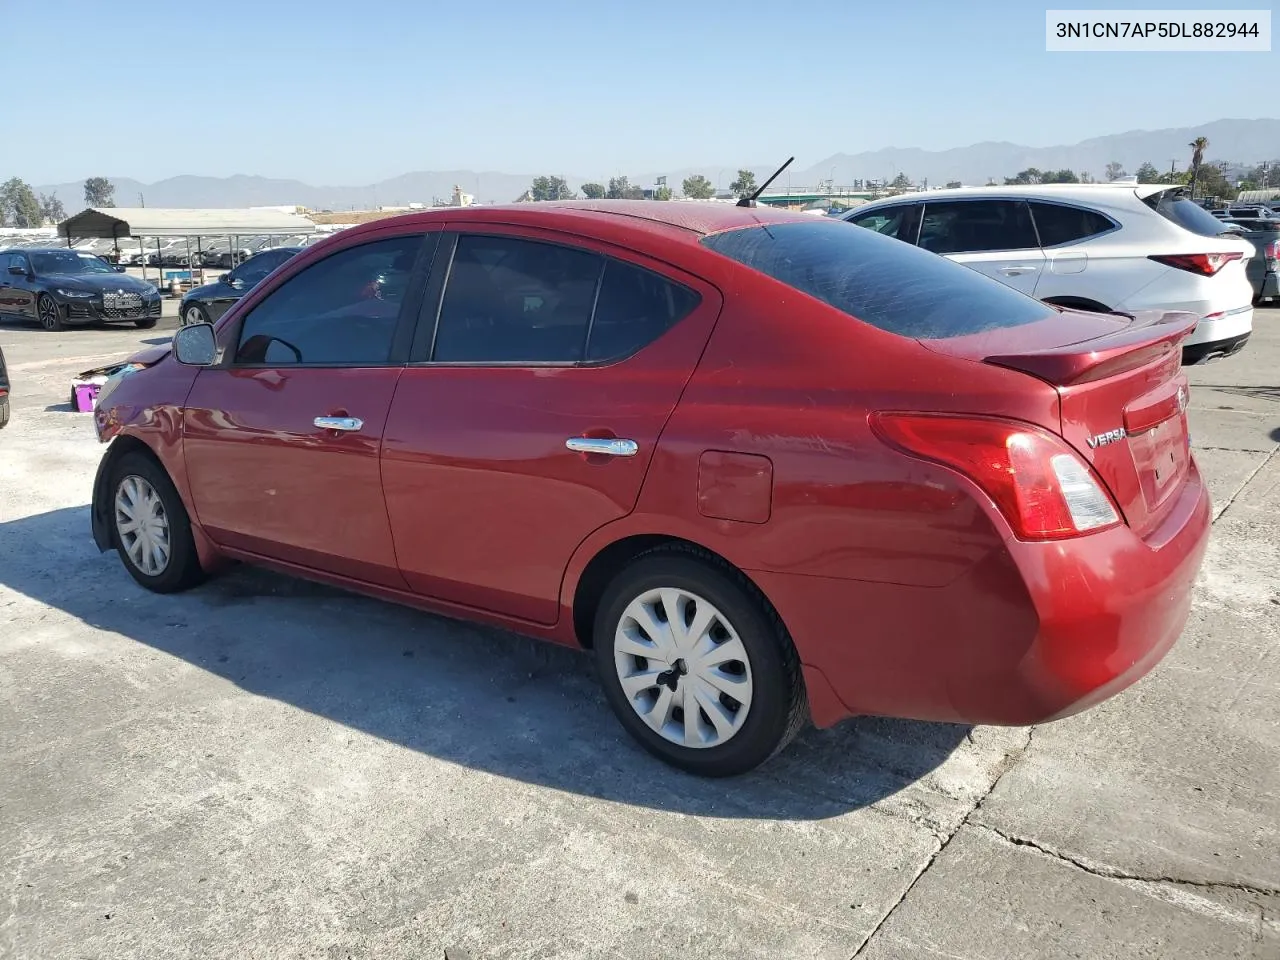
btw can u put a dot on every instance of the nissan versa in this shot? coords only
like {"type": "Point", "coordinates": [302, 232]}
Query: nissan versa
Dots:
{"type": "Point", "coordinates": [765, 467]}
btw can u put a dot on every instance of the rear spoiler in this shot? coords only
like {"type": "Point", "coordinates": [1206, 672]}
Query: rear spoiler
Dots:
{"type": "Point", "coordinates": [1152, 334]}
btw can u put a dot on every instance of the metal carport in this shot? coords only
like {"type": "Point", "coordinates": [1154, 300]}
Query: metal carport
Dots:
{"type": "Point", "coordinates": [115, 223]}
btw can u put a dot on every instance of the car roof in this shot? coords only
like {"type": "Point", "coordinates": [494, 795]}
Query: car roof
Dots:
{"type": "Point", "coordinates": [687, 220]}
{"type": "Point", "coordinates": [1087, 192]}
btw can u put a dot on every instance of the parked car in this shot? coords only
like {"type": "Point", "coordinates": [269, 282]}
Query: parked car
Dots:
{"type": "Point", "coordinates": [208, 303]}
{"type": "Point", "coordinates": [763, 465]}
{"type": "Point", "coordinates": [1264, 269]}
{"type": "Point", "coordinates": [1108, 247]}
{"type": "Point", "coordinates": [4, 392]}
{"type": "Point", "coordinates": [59, 287]}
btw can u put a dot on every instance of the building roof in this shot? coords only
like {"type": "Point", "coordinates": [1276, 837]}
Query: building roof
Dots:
{"type": "Point", "coordinates": [115, 222]}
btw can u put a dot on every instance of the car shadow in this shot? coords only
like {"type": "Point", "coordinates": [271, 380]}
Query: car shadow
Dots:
{"type": "Point", "coordinates": [482, 698]}
{"type": "Point", "coordinates": [64, 407]}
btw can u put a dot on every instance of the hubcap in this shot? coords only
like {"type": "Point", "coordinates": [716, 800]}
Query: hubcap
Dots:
{"type": "Point", "coordinates": [683, 667]}
{"type": "Point", "coordinates": [143, 525]}
{"type": "Point", "coordinates": [48, 313]}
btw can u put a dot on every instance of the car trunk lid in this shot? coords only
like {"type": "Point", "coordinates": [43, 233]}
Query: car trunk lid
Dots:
{"type": "Point", "coordinates": [1122, 394]}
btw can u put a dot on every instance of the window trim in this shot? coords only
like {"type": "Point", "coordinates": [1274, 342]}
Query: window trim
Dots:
{"type": "Point", "coordinates": [1115, 224]}
{"type": "Point", "coordinates": [966, 253]}
{"type": "Point", "coordinates": [405, 319]}
{"type": "Point", "coordinates": [422, 352]}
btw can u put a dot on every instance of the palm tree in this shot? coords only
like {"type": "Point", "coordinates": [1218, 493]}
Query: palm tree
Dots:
{"type": "Point", "coordinates": [1198, 146]}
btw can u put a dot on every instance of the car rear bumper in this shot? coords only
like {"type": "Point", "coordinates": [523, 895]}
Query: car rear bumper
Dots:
{"type": "Point", "coordinates": [1222, 326]}
{"type": "Point", "coordinates": [1034, 632]}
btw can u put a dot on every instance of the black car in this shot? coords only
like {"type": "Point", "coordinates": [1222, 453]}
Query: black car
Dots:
{"type": "Point", "coordinates": [206, 304]}
{"type": "Point", "coordinates": [59, 287]}
{"type": "Point", "coordinates": [4, 392]}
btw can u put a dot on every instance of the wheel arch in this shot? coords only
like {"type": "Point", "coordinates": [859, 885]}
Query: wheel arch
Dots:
{"type": "Point", "coordinates": [99, 505]}
{"type": "Point", "coordinates": [613, 557]}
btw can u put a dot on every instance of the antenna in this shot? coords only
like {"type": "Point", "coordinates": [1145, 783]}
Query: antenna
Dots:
{"type": "Point", "coordinates": [751, 200]}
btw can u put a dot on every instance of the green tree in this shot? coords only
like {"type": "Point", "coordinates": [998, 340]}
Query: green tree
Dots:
{"type": "Point", "coordinates": [550, 188]}
{"type": "Point", "coordinates": [1115, 171]}
{"type": "Point", "coordinates": [1262, 176]}
{"type": "Point", "coordinates": [1198, 147]}
{"type": "Point", "coordinates": [99, 192]}
{"type": "Point", "coordinates": [698, 187]}
{"type": "Point", "coordinates": [1028, 176]}
{"type": "Point", "coordinates": [662, 193]}
{"type": "Point", "coordinates": [20, 205]}
{"type": "Point", "coordinates": [901, 182]}
{"type": "Point", "coordinates": [745, 185]}
{"type": "Point", "coordinates": [620, 188]}
{"type": "Point", "coordinates": [1213, 182]}
{"type": "Point", "coordinates": [593, 191]}
{"type": "Point", "coordinates": [51, 208]}
{"type": "Point", "coordinates": [1147, 173]}
{"type": "Point", "coordinates": [1086, 177]}
{"type": "Point", "coordinates": [1059, 176]}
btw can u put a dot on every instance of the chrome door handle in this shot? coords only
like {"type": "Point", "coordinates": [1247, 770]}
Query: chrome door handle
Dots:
{"type": "Point", "coordinates": [599, 445]}
{"type": "Point", "coordinates": [338, 423]}
{"type": "Point", "coordinates": [1014, 271]}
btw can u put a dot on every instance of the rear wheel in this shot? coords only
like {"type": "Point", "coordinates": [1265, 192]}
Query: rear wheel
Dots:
{"type": "Point", "coordinates": [696, 665]}
{"type": "Point", "coordinates": [150, 526]}
{"type": "Point", "coordinates": [48, 312]}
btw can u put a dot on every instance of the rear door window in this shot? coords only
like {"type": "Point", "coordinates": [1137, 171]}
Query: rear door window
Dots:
{"type": "Point", "coordinates": [1058, 223]}
{"type": "Point", "coordinates": [898, 221]}
{"type": "Point", "coordinates": [635, 307]}
{"type": "Point", "coordinates": [976, 226]}
{"type": "Point", "coordinates": [511, 300]}
{"type": "Point", "coordinates": [1175, 207]}
{"type": "Point", "coordinates": [890, 285]}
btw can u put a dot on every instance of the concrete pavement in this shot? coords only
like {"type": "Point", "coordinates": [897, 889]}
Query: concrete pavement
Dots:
{"type": "Point", "coordinates": [268, 768]}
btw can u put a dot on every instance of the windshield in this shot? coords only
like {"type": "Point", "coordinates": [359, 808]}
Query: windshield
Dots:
{"type": "Point", "coordinates": [1174, 206]}
{"type": "Point", "coordinates": [887, 283]}
{"type": "Point", "coordinates": [68, 262]}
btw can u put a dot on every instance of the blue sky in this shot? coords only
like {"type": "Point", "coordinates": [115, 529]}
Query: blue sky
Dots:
{"type": "Point", "coordinates": [353, 91]}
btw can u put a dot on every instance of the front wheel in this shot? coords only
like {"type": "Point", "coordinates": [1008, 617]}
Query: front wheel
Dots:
{"type": "Point", "coordinates": [145, 323]}
{"type": "Point", "coordinates": [49, 313]}
{"type": "Point", "coordinates": [194, 314]}
{"type": "Point", "coordinates": [150, 526]}
{"type": "Point", "coordinates": [696, 665]}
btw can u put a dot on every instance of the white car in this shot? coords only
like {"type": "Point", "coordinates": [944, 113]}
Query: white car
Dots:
{"type": "Point", "coordinates": [1115, 247]}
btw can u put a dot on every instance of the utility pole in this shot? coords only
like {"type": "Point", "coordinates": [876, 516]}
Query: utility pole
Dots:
{"type": "Point", "coordinates": [142, 201]}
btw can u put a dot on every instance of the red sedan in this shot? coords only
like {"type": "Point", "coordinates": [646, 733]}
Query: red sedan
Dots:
{"type": "Point", "coordinates": [767, 467]}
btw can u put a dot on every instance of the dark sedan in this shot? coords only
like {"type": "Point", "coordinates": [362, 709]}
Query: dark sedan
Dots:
{"type": "Point", "coordinates": [208, 303]}
{"type": "Point", "coordinates": [60, 287]}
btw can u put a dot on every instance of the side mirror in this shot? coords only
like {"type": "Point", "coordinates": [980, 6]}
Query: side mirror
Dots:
{"type": "Point", "coordinates": [235, 283]}
{"type": "Point", "coordinates": [119, 268]}
{"type": "Point", "coordinates": [196, 345]}
{"type": "Point", "coordinates": [17, 271]}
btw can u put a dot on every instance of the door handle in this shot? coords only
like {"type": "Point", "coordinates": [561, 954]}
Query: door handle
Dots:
{"type": "Point", "coordinates": [1015, 270]}
{"type": "Point", "coordinates": [339, 423]}
{"type": "Point", "coordinates": [604, 447]}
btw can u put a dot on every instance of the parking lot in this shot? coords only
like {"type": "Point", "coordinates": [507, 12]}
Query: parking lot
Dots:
{"type": "Point", "coordinates": [268, 768]}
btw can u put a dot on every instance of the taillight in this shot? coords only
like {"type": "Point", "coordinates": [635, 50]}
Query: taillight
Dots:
{"type": "Point", "coordinates": [1272, 250]}
{"type": "Point", "coordinates": [1041, 486]}
{"type": "Point", "coordinates": [1205, 264]}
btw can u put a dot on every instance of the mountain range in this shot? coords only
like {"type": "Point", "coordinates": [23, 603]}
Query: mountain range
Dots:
{"type": "Point", "coordinates": [1241, 141]}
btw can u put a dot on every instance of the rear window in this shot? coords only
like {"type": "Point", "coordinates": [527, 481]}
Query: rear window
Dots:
{"type": "Point", "coordinates": [1175, 207]}
{"type": "Point", "coordinates": [884, 282]}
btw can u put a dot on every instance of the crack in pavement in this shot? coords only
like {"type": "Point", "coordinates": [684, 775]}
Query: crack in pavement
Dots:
{"type": "Point", "coordinates": [1108, 872]}
{"type": "Point", "coordinates": [1010, 761]}
{"type": "Point", "coordinates": [1247, 480]}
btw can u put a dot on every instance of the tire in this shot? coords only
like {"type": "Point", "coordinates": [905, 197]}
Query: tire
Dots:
{"type": "Point", "coordinates": [775, 703]}
{"type": "Point", "coordinates": [194, 314]}
{"type": "Point", "coordinates": [4, 412]}
{"type": "Point", "coordinates": [48, 313]}
{"type": "Point", "coordinates": [182, 568]}
{"type": "Point", "coordinates": [146, 323]}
